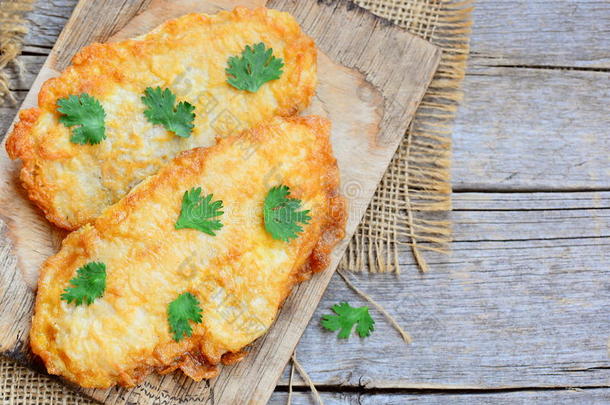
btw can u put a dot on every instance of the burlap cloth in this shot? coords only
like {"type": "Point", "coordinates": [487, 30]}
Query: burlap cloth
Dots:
{"type": "Point", "coordinates": [414, 191]}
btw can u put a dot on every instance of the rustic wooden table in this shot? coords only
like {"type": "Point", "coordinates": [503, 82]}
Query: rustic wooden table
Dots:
{"type": "Point", "coordinates": [519, 310]}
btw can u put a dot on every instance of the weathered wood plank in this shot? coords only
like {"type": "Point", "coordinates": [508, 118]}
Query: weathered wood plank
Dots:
{"type": "Point", "coordinates": [530, 201]}
{"type": "Point", "coordinates": [22, 78]}
{"type": "Point", "coordinates": [531, 129]}
{"type": "Point", "coordinates": [541, 32]}
{"type": "Point", "coordinates": [490, 315]}
{"type": "Point", "coordinates": [528, 225]}
{"type": "Point", "coordinates": [563, 397]}
{"type": "Point", "coordinates": [47, 19]}
{"type": "Point", "coordinates": [562, 33]}
{"type": "Point", "coordinates": [512, 309]}
{"type": "Point", "coordinates": [8, 111]}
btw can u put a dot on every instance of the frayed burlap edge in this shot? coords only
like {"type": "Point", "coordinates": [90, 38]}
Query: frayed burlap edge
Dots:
{"type": "Point", "coordinates": [13, 27]}
{"type": "Point", "coordinates": [416, 189]}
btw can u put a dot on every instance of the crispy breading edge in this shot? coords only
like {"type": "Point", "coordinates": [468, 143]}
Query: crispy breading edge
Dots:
{"type": "Point", "coordinates": [193, 363]}
{"type": "Point", "coordinates": [20, 144]}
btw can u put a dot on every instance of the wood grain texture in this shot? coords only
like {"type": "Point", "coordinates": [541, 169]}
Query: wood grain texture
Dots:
{"type": "Point", "coordinates": [533, 129]}
{"type": "Point", "coordinates": [507, 308]}
{"type": "Point", "coordinates": [47, 19]}
{"type": "Point", "coordinates": [370, 107]}
{"type": "Point", "coordinates": [552, 33]}
{"type": "Point", "coordinates": [563, 397]}
{"type": "Point", "coordinates": [530, 201]}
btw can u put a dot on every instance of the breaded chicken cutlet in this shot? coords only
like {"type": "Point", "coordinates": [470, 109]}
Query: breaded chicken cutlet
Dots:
{"type": "Point", "coordinates": [90, 139]}
{"type": "Point", "coordinates": [195, 262]}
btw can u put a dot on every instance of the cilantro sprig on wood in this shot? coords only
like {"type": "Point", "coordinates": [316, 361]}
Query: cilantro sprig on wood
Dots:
{"type": "Point", "coordinates": [345, 319]}
{"type": "Point", "coordinates": [162, 109]}
{"type": "Point", "coordinates": [87, 115]}
{"type": "Point", "coordinates": [197, 212]}
{"type": "Point", "coordinates": [89, 284]}
{"type": "Point", "coordinates": [256, 66]}
{"type": "Point", "coordinates": [281, 214]}
{"type": "Point", "coordinates": [180, 311]}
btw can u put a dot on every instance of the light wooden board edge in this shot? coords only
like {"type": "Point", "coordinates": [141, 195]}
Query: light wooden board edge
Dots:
{"type": "Point", "coordinates": [342, 47]}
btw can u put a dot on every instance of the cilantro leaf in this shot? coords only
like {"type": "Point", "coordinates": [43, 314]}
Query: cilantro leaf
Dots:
{"type": "Point", "coordinates": [89, 284]}
{"type": "Point", "coordinates": [87, 112]}
{"type": "Point", "coordinates": [255, 67]}
{"type": "Point", "coordinates": [347, 316]}
{"type": "Point", "coordinates": [161, 110]}
{"type": "Point", "coordinates": [180, 311]}
{"type": "Point", "coordinates": [196, 212]}
{"type": "Point", "coordinates": [281, 215]}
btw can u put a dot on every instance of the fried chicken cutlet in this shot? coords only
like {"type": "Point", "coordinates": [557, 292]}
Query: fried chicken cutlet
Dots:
{"type": "Point", "coordinates": [268, 216]}
{"type": "Point", "coordinates": [189, 56]}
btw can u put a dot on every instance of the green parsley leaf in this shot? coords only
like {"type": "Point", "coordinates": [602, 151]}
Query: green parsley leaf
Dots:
{"type": "Point", "coordinates": [87, 112]}
{"type": "Point", "coordinates": [161, 110]}
{"type": "Point", "coordinates": [346, 318]}
{"type": "Point", "coordinates": [89, 284]}
{"type": "Point", "coordinates": [256, 67]}
{"type": "Point", "coordinates": [196, 212]}
{"type": "Point", "coordinates": [180, 311]}
{"type": "Point", "coordinates": [281, 215]}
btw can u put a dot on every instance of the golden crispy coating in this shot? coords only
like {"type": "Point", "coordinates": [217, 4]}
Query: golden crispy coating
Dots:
{"type": "Point", "coordinates": [73, 183]}
{"type": "Point", "coordinates": [241, 276]}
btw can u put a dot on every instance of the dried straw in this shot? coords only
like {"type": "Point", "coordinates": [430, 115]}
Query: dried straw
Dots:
{"type": "Point", "coordinates": [13, 28]}
{"type": "Point", "coordinates": [306, 378]}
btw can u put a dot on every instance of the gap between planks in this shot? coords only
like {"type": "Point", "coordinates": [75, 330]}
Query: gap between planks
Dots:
{"type": "Point", "coordinates": [564, 397]}
{"type": "Point", "coordinates": [300, 386]}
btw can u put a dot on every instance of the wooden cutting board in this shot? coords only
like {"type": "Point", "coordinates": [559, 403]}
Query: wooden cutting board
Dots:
{"type": "Point", "coordinates": [372, 76]}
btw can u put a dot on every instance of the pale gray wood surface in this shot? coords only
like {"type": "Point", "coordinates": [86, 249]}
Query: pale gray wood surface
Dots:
{"type": "Point", "coordinates": [502, 310]}
{"type": "Point", "coordinates": [522, 300]}
{"type": "Point", "coordinates": [553, 33]}
{"type": "Point", "coordinates": [533, 129]}
{"type": "Point", "coordinates": [526, 397]}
